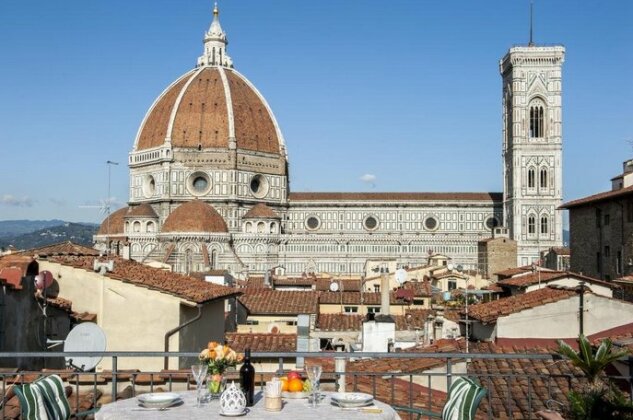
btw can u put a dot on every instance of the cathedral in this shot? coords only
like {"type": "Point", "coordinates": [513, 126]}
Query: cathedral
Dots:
{"type": "Point", "coordinates": [209, 184]}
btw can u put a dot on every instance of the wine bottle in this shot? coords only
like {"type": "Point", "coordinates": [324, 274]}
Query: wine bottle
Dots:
{"type": "Point", "coordinates": [247, 378]}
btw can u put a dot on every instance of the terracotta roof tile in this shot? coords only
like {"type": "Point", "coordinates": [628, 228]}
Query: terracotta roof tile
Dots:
{"type": "Point", "coordinates": [194, 216]}
{"type": "Point", "coordinates": [291, 302]}
{"type": "Point", "coordinates": [142, 210]}
{"type": "Point", "coordinates": [14, 267]}
{"type": "Point", "coordinates": [262, 342]}
{"type": "Point", "coordinates": [261, 211]}
{"type": "Point", "coordinates": [353, 298]}
{"type": "Point", "coordinates": [489, 312]}
{"type": "Point", "coordinates": [420, 288]}
{"type": "Point", "coordinates": [179, 285]}
{"type": "Point", "coordinates": [607, 195]}
{"type": "Point", "coordinates": [344, 285]}
{"type": "Point", "coordinates": [61, 248]}
{"type": "Point", "coordinates": [397, 196]}
{"type": "Point", "coordinates": [530, 279]}
{"type": "Point", "coordinates": [353, 322]}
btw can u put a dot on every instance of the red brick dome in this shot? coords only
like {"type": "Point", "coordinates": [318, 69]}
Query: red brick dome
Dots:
{"type": "Point", "coordinates": [113, 224]}
{"type": "Point", "coordinates": [195, 216]}
{"type": "Point", "coordinates": [205, 108]}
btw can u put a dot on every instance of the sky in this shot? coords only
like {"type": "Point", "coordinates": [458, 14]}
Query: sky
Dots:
{"type": "Point", "coordinates": [398, 95]}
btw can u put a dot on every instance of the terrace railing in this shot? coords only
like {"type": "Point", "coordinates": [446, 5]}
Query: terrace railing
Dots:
{"type": "Point", "coordinates": [510, 394]}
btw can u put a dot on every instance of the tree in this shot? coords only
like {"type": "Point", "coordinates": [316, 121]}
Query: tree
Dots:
{"type": "Point", "coordinates": [601, 399]}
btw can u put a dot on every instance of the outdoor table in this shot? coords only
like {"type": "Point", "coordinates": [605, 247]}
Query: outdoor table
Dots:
{"type": "Point", "coordinates": [292, 409]}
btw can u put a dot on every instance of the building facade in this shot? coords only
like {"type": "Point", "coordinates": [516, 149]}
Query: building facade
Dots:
{"type": "Point", "coordinates": [601, 230]}
{"type": "Point", "coordinates": [209, 185]}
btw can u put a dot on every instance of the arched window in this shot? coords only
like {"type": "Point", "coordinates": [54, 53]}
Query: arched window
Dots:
{"type": "Point", "coordinates": [543, 178]}
{"type": "Point", "coordinates": [273, 227]}
{"type": "Point", "coordinates": [213, 259]}
{"type": "Point", "coordinates": [249, 227]}
{"type": "Point", "coordinates": [544, 224]}
{"type": "Point", "coordinates": [537, 128]}
{"type": "Point", "coordinates": [531, 178]}
{"type": "Point", "coordinates": [531, 224]}
{"type": "Point", "coordinates": [261, 227]}
{"type": "Point", "coordinates": [150, 227]}
{"type": "Point", "coordinates": [137, 227]}
{"type": "Point", "coordinates": [127, 227]}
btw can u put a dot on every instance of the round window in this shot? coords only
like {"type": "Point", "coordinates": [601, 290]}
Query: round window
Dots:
{"type": "Point", "coordinates": [491, 223]}
{"type": "Point", "coordinates": [259, 186]}
{"type": "Point", "coordinates": [199, 183]}
{"type": "Point", "coordinates": [371, 223]}
{"type": "Point", "coordinates": [149, 186]}
{"type": "Point", "coordinates": [430, 223]}
{"type": "Point", "coordinates": [312, 223]}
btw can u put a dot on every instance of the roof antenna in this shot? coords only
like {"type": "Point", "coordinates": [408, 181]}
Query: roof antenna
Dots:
{"type": "Point", "coordinates": [531, 43]}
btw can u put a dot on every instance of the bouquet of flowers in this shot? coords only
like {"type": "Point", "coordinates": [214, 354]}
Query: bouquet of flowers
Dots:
{"type": "Point", "coordinates": [219, 358]}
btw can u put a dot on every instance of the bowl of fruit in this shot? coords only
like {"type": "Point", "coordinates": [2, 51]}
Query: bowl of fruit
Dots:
{"type": "Point", "coordinates": [292, 386]}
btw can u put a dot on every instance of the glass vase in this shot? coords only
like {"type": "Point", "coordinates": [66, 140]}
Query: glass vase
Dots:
{"type": "Point", "coordinates": [216, 383]}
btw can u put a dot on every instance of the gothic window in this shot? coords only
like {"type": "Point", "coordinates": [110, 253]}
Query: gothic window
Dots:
{"type": "Point", "coordinates": [537, 127]}
{"type": "Point", "coordinates": [531, 224]}
{"type": "Point", "coordinates": [531, 178]}
{"type": "Point", "coordinates": [544, 224]}
{"type": "Point", "coordinates": [543, 178]}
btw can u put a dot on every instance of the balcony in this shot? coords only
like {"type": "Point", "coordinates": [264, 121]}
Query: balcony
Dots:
{"type": "Point", "coordinates": [518, 384]}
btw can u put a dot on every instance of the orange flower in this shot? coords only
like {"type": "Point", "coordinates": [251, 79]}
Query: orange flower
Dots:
{"type": "Point", "coordinates": [212, 345]}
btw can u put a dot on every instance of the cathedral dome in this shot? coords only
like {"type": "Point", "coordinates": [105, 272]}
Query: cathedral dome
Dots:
{"type": "Point", "coordinates": [211, 107]}
{"type": "Point", "coordinates": [143, 210]}
{"type": "Point", "coordinates": [113, 224]}
{"type": "Point", "coordinates": [195, 216]}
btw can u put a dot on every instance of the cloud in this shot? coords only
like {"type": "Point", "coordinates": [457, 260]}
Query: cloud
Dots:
{"type": "Point", "coordinates": [369, 179]}
{"type": "Point", "coordinates": [13, 201]}
{"type": "Point", "coordinates": [59, 202]}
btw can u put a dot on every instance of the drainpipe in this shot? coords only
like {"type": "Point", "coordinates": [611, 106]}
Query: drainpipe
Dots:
{"type": "Point", "coordinates": [581, 307]}
{"type": "Point", "coordinates": [173, 331]}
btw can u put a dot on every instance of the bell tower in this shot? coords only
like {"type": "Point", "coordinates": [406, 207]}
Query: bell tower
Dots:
{"type": "Point", "coordinates": [532, 147]}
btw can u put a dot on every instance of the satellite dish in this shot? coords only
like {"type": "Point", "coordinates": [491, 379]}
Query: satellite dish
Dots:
{"type": "Point", "coordinates": [450, 266]}
{"type": "Point", "coordinates": [86, 337]}
{"type": "Point", "coordinates": [401, 275]}
{"type": "Point", "coordinates": [43, 279]}
{"type": "Point", "coordinates": [334, 287]}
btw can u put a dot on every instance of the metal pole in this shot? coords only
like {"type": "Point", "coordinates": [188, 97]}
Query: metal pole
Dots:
{"type": "Point", "coordinates": [581, 307]}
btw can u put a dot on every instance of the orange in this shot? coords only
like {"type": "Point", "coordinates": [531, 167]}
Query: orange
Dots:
{"type": "Point", "coordinates": [295, 385]}
{"type": "Point", "coordinates": [284, 384]}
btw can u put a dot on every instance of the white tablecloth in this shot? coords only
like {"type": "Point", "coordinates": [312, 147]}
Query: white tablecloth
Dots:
{"type": "Point", "coordinates": [292, 409]}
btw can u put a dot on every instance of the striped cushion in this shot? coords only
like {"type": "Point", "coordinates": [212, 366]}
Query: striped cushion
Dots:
{"type": "Point", "coordinates": [464, 397]}
{"type": "Point", "coordinates": [32, 402]}
{"type": "Point", "coordinates": [55, 396]}
{"type": "Point", "coordinates": [44, 399]}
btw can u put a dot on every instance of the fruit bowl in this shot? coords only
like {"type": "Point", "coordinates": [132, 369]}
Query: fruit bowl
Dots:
{"type": "Point", "coordinates": [295, 395]}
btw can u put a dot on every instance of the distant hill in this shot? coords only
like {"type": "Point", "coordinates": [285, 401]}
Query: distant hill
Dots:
{"type": "Point", "coordinates": [18, 227]}
{"type": "Point", "coordinates": [79, 233]}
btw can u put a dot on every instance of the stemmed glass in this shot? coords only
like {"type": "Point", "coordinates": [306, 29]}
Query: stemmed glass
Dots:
{"type": "Point", "coordinates": [199, 373]}
{"type": "Point", "coordinates": [314, 374]}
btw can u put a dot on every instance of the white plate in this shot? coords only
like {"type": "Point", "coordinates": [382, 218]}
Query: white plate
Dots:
{"type": "Point", "coordinates": [349, 399]}
{"type": "Point", "coordinates": [352, 405]}
{"type": "Point", "coordinates": [159, 399]}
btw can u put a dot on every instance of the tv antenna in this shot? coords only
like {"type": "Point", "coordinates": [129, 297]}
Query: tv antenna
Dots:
{"type": "Point", "coordinates": [105, 206]}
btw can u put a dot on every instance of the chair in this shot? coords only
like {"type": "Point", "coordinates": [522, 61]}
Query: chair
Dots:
{"type": "Point", "coordinates": [44, 399]}
{"type": "Point", "coordinates": [464, 397]}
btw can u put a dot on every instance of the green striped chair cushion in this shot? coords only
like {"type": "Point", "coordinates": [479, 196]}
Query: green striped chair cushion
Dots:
{"type": "Point", "coordinates": [44, 399]}
{"type": "Point", "coordinates": [32, 402]}
{"type": "Point", "coordinates": [464, 397]}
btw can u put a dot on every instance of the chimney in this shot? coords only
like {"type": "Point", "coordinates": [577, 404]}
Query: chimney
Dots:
{"type": "Point", "coordinates": [384, 294]}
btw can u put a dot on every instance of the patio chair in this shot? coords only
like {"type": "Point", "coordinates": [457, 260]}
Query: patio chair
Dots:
{"type": "Point", "coordinates": [464, 397]}
{"type": "Point", "coordinates": [44, 399]}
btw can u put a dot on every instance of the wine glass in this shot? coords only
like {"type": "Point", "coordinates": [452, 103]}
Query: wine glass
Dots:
{"type": "Point", "coordinates": [199, 372]}
{"type": "Point", "coordinates": [314, 374]}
